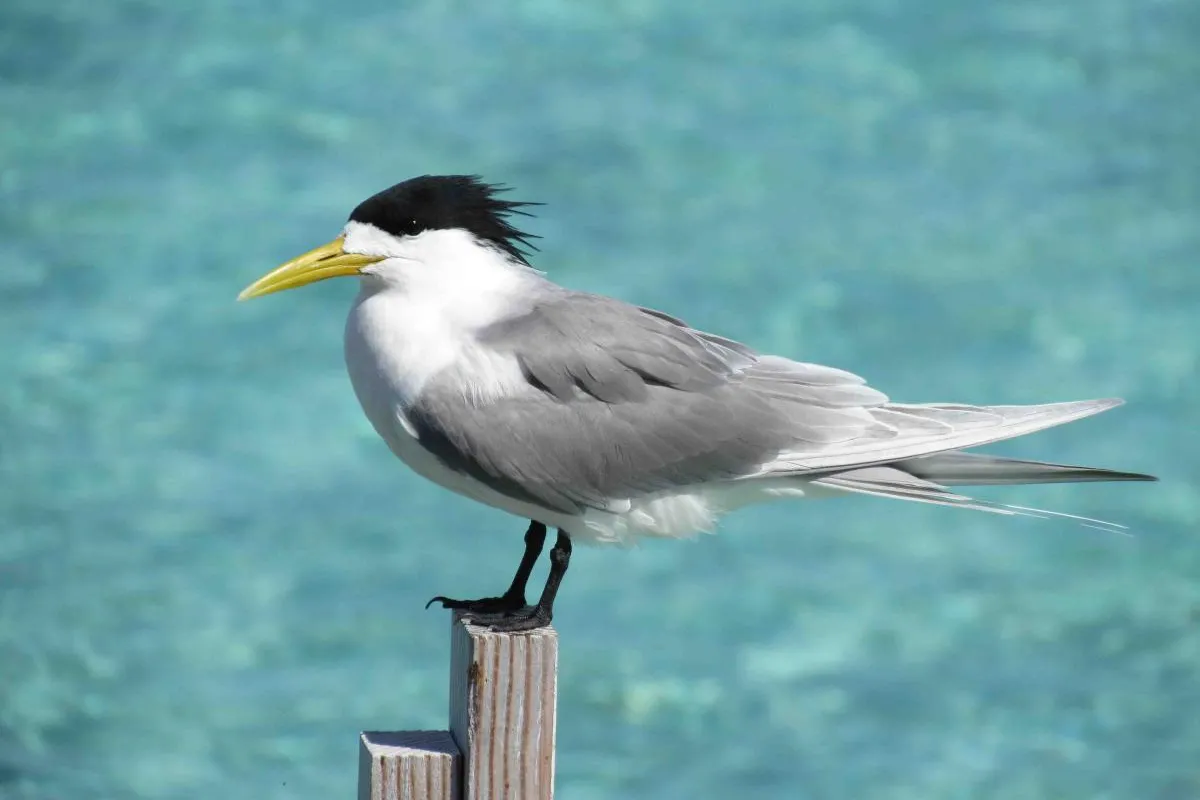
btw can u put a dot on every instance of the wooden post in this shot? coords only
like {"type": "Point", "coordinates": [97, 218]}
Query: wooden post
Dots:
{"type": "Point", "coordinates": [503, 693]}
{"type": "Point", "coordinates": [500, 746]}
{"type": "Point", "coordinates": [408, 765]}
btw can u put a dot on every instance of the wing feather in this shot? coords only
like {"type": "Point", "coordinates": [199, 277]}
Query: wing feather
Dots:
{"type": "Point", "coordinates": [622, 401]}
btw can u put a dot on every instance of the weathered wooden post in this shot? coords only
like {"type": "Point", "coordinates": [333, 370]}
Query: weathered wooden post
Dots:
{"type": "Point", "coordinates": [500, 746]}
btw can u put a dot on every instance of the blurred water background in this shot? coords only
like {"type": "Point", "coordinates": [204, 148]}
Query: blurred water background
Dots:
{"type": "Point", "coordinates": [211, 572]}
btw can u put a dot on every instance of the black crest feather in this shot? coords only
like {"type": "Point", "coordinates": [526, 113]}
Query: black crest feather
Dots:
{"type": "Point", "coordinates": [436, 202]}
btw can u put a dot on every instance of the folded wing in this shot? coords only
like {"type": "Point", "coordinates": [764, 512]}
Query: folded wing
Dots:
{"type": "Point", "coordinates": [621, 401]}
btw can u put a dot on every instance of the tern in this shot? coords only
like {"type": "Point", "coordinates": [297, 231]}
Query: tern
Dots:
{"type": "Point", "coordinates": [609, 421]}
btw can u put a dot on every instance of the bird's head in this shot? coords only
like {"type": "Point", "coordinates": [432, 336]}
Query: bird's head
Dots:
{"type": "Point", "coordinates": [422, 224]}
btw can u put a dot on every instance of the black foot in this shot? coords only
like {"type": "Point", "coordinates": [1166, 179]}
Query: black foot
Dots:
{"type": "Point", "coordinates": [501, 606]}
{"type": "Point", "coordinates": [508, 612]}
{"type": "Point", "coordinates": [540, 615]}
{"type": "Point", "coordinates": [513, 600]}
{"type": "Point", "coordinates": [531, 620]}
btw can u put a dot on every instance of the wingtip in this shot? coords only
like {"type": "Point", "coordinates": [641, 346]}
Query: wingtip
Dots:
{"type": "Point", "coordinates": [1088, 408]}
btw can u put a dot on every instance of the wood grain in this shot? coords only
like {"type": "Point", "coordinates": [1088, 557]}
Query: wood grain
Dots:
{"type": "Point", "coordinates": [502, 711]}
{"type": "Point", "coordinates": [408, 765]}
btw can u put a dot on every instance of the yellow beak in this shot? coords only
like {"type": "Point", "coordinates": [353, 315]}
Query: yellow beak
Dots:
{"type": "Point", "coordinates": [327, 261]}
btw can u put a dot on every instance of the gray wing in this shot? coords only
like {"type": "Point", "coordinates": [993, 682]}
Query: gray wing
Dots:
{"type": "Point", "coordinates": [622, 401]}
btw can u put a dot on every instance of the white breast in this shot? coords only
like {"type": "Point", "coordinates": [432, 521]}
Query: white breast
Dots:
{"type": "Point", "coordinates": [392, 349]}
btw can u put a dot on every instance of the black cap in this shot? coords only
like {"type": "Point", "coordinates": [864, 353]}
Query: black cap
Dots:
{"type": "Point", "coordinates": [442, 202]}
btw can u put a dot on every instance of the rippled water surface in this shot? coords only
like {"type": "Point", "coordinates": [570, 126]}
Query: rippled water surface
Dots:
{"type": "Point", "coordinates": [211, 572]}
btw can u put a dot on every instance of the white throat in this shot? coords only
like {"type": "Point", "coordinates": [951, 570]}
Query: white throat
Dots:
{"type": "Point", "coordinates": [447, 271]}
{"type": "Point", "coordinates": [418, 312]}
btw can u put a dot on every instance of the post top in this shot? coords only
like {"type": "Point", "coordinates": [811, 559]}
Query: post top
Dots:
{"type": "Point", "coordinates": [404, 743]}
{"type": "Point", "coordinates": [482, 631]}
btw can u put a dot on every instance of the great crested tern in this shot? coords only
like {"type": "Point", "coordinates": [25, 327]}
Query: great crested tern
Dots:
{"type": "Point", "coordinates": [606, 420]}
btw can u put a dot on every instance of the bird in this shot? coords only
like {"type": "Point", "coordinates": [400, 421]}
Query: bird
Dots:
{"type": "Point", "coordinates": [608, 421]}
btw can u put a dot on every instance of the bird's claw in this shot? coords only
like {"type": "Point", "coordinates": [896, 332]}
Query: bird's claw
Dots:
{"type": "Point", "coordinates": [499, 606]}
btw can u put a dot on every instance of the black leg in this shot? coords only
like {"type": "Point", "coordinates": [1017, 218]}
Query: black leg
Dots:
{"type": "Point", "coordinates": [541, 614]}
{"type": "Point", "coordinates": [514, 599]}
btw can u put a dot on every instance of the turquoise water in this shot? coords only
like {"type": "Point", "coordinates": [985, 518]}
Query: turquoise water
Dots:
{"type": "Point", "coordinates": [211, 572]}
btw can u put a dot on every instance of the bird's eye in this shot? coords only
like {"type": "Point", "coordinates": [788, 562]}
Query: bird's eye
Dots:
{"type": "Point", "coordinates": [411, 227]}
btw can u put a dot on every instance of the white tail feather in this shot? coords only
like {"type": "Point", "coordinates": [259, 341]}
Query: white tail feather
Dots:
{"type": "Point", "coordinates": [895, 484]}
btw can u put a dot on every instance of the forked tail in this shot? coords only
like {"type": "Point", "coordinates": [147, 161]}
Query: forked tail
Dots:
{"type": "Point", "coordinates": [924, 480]}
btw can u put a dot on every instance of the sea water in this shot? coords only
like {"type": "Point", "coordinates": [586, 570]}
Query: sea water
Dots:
{"type": "Point", "coordinates": [212, 572]}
